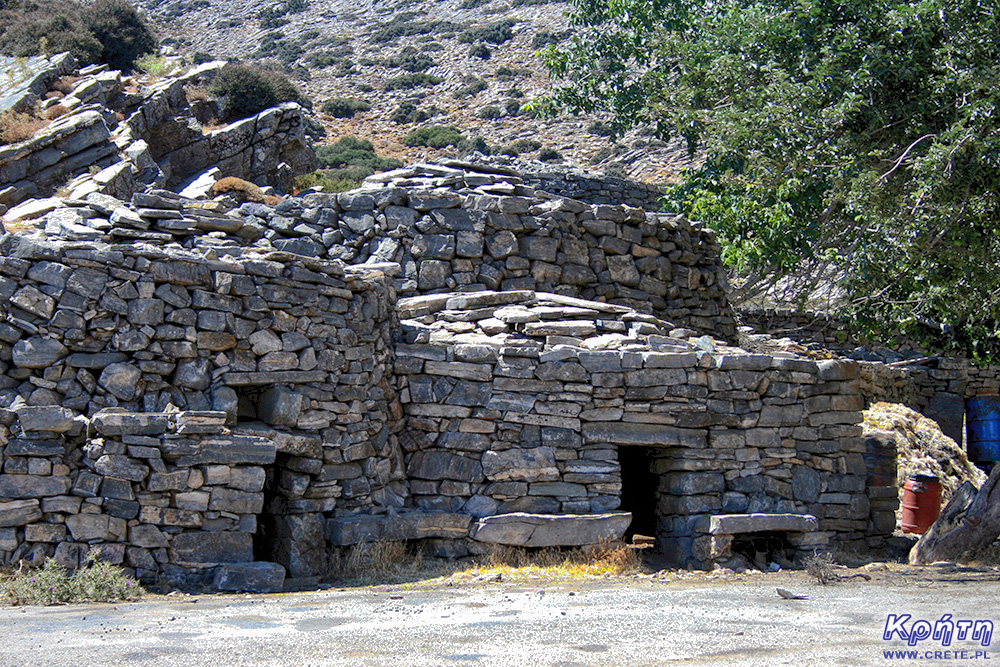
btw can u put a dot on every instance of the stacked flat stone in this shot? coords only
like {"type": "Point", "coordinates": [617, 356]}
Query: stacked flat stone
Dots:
{"type": "Point", "coordinates": [169, 494]}
{"type": "Point", "coordinates": [532, 419]}
{"type": "Point", "coordinates": [570, 181]}
{"type": "Point", "coordinates": [301, 347]}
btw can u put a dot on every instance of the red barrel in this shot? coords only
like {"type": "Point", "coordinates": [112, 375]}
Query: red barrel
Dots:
{"type": "Point", "coordinates": [921, 503]}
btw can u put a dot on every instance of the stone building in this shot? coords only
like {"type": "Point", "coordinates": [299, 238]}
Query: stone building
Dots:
{"type": "Point", "coordinates": [450, 354]}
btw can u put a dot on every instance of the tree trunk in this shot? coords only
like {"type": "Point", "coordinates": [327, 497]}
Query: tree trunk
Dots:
{"type": "Point", "coordinates": [969, 523]}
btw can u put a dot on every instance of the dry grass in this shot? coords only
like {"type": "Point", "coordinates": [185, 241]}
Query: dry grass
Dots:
{"type": "Point", "coordinates": [603, 560]}
{"type": "Point", "coordinates": [397, 562]}
{"type": "Point", "coordinates": [65, 84]}
{"type": "Point", "coordinates": [196, 94]}
{"type": "Point", "coordinates": [383, 562]}
{"type": "Point", "coordinates": [212, 126]}
{"type": "Point", "coordinates": [17, 127]}
{"type": "Point", "coordinates": [240, 190]}
{"type": "Point", "coordinates": [55, 111]}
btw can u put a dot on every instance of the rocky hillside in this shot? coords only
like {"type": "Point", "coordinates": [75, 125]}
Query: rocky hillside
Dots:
{"type": "Point", "coordinates": [466, 63]}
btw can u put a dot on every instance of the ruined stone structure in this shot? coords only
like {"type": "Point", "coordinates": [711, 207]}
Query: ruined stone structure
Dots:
{"type": "Point", "coordinates": [197, 387]}
{"type": "Point", "coordinates": [117, 138]}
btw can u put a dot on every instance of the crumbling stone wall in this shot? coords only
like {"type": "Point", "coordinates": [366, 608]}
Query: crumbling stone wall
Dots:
{"type": "Point", "coordinates": [161, 140]}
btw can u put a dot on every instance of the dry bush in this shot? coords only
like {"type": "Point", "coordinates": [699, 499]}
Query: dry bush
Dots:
{"type": "Point", "coordinates": [240, 190]}
{"type": "Point", "coordinates": [65, 84]}
{"type": "Point", "coordinates": [53, 95]}
{"type": "Point", "coordinates": [55, 111]}
{"type": "Point", "coordinates": [821, 566]}
{"type": "Point", "coordinates": [17, 127]}
{"type": "Point", "coordinates": [272, 200]}
{"type": "Point", "coordinates": [196, 94]}
{"type": "Point", "coordinates": [378, 562]}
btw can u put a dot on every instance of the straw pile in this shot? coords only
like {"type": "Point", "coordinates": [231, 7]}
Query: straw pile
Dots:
{"type": "Point", "coordinates": [922, 448]}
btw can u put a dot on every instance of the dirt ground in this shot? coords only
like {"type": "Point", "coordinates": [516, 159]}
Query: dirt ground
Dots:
{"type": "Point", "coordinates": [526, 619]}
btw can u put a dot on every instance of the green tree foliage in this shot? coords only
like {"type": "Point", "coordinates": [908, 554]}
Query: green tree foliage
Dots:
{"type": "Point", "coordinates": [248, 90]}
{"type": "Point", "coordinates": [857, 135]}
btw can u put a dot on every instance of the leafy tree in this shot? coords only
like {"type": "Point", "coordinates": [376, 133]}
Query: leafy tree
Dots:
{"type": "Point", "coordinates": [857, 139]}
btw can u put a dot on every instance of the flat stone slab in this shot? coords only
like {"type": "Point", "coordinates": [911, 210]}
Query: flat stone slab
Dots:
{"type": "Point", "coordinates": [258, 577]}
{"type": "Point", "coordinates": [551, 530]}
{"type": "Point", "coordinates": [733, 524]}
{"type": "Point", "coordinates": [343, 531]}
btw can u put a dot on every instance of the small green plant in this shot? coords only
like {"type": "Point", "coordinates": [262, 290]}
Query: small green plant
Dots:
{"type": "Point", "coordinates": [410, 60]}
{"type": "Point", "coordinates": [480, 51]}
{"type": "Point", "coordinates": [548, 154]}
{"type": "Point", "coordinates": [490, 112]}
{"type": "Point", "coordinates": [473, 86]}
{"type": "Point", "coordinates": [434, 136]}
{"type": "Point", "coordinates": [344, 107]}
{"type": "Point", "coordinates": [497, 32]}
{"type": "Point", "coordinates": [505, 73]}
{"type": "Point", "coordinates": [96, 581]}
{"type": "Point", "coordinates": [527, 145]}
{"type": "Point", "coordinates": [155, 65]}
{"type": "Point", "coordinates": [544, 37]}
{"type": "Point", "coordinates": [474, 145]}
{"type": "Point", "coordinates": [407, 112]}
{"type": "Point", "coordinates": [512, 107]}
{"type": "Point", "coordinates": [201, 57]}
{"type": "Point", "coordinates": [600, 129]}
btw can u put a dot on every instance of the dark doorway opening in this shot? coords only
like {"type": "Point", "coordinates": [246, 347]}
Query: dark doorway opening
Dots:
{"type": "Point", "coordinates": [265, 537]}
{"type": "Point", "coordinates": [639, 484]}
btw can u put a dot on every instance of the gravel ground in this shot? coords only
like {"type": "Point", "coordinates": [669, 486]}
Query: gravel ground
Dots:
{"type": "Point", "coordinates": [642, 620]}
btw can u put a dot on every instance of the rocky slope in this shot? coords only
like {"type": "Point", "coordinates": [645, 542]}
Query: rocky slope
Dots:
{"type": "Point", "coordinates": [334, 49]}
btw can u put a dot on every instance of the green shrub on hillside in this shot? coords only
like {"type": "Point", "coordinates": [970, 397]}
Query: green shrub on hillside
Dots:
{"type": "Point", "coordinates": [473, 86]}
{"type": "Point", "coordinates": [354, 152]}
{"type": "Point", "coordinates": [434, 136]}
{"type": "Point", "coordinates": [408, 81]}
{"type": "Point", "coordinates": [344, 107]}
{"type": "Point", "coordinates": [480, 51]}
{"type": "Point", "coordinates": [248, 90]}
{"type": "Point", "coordinates": [108, 31]}
{"type": "Point", "coordinates": [410, 60]}
{"type": "Point", "coordinates": [346, 163]}
{"type": "Point", "coordinates": [407, 112]}
{"type": "Point", "coordinates": [497, 32]}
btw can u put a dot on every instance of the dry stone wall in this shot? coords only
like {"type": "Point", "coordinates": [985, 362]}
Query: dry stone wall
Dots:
{"type": "Point", "coordinates": [451, 230]}
{"type": "Point", "coordinates": [160, 493]}
{"type": "Point", "coordinates": [500, 401]}
{"type": "Point", "coordinates": [522, 402]}
{"type": "Point", "coordinates": [279, 341]}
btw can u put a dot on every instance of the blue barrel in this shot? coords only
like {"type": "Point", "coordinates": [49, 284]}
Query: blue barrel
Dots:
{"type": "Point", "coordinates": [982, 426]}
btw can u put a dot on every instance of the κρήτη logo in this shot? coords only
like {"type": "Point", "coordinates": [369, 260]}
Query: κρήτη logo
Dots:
{"type": "Point", "coordinates": [943, 631]}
